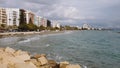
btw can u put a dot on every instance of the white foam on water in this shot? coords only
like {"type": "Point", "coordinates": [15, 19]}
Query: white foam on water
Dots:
{"type": "Point", "coordinates": [47, 45]}
{"type": "Point", "coordinates": [84, 66]}
{"type": "Point", "coordinates": [24, 41]}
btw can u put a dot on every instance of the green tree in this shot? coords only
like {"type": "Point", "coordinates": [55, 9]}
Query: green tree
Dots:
{"type": "Point", "coordinates": [23, 25]}
{"type": "Point", "coordinates": [42, 28]}
{"type": "Point", "coordinates": [31, 26]}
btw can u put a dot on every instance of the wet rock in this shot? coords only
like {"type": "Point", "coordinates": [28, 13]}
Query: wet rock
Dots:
{"type": "Point", "coordinates": [53, 64]}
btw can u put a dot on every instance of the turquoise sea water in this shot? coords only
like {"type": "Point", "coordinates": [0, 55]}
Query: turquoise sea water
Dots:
{"type": "Point", "coordinates": [94, 49]}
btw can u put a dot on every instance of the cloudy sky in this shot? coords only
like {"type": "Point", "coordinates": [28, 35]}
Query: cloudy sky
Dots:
{"type": "Point", "coordinates": [99, 13]}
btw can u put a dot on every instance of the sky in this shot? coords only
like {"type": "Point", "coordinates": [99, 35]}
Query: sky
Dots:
{"type": "Point", "coordinates": [97, 13]}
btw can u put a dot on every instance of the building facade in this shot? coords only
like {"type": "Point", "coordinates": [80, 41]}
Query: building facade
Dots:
{"type": "Point", "coordinates": [86, 27]}
{"type": "Point", "coordinates": [44, 22]}
{"type": "Point", "coordinates": [3, 17]}
{"type": "Point", "coordinates": [55, 24]}
{"type": "Point", "coordinates": [13, 16]}
{"type": "Point", "coordinates": [38, 21]}
{"type": "Point", "coordinates": [48, 23]}
{"type": "Point", "coordinates": [30, 17]}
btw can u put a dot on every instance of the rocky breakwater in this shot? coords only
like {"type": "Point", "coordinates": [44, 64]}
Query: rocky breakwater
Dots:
{"type": "Point", "coordinates": [10, 58]}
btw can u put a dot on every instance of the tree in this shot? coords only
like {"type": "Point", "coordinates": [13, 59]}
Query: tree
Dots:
{"type": "Point", "coordinates": [41, 27]}
{"type": "Point", "coordinates": [23, 25]}
{"type": "Point", "coordinates": [31, 26]}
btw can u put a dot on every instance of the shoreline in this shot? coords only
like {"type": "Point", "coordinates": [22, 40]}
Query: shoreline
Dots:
{"type": "Point", "coordinates": [10, 58]}
{"type": "Point", "coordinates": [10, 34]}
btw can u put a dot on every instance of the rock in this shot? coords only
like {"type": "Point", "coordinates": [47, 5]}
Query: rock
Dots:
{"type": "Point", "coordinates": [38, 56]}
{"type": "Point", "coordinates": [64, 64]}
{"type": "Point", "coordinates": [67, 65]}
{"type": "Point", "coordinates": [13, 60]}
{"type": "Point", "coordinates": [34, 61]}
{"type": "Point", "coordinates": [25, 65]}
{"type": "Point", "coordinates": [1, 49]}
{"type": "Point", "coordinates": [19, 52]}
{"type": "Point", "coordinates": [23, 57]}
{"type": "Point", "coordinates": [53, 64]}
{"type": "Point", "coordinates": [73, 66]}
{"type": "Point", "coordinates": [3, 65]}
{"type": "Point", "coordinates": [9, 50]}
{"type": "Point", "coordinates": [10, 65]}
{"type": "Point", "coordinates": [43, 60]}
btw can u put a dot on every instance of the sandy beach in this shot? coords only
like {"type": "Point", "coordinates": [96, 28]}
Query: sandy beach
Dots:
{"type": "Point", "coordinates": [6, 34]}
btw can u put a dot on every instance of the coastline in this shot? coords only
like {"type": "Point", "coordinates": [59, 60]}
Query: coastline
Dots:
{"type": "Point", "coordinates": [9, 34]}
{"type": "Point", "coordinates": [10, 58]}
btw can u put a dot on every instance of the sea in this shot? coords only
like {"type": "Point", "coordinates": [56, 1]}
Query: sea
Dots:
{"type": "Point", "coordinates": [89, 48]}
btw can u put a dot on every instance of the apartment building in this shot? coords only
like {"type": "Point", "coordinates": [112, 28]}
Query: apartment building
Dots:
{"type": "Point", "coordinates": [44, 22]}
{"type": "Point", "coordinates": [3, 17]}
{"type": "Point", "coordinates": [38, 21]}
{"type": "Point", "coordinates": [13, 16]}
{"type": "Point", "coordinates": [55, 24]}
{"type": "Point", "coordinates": [30, 17]}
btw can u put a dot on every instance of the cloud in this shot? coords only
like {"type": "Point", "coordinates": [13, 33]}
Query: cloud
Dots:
{"type": "Point", "coordinates": [96, 12]}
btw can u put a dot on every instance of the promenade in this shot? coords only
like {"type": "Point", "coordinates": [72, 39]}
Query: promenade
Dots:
{"type": "Point", "coordinates": [29, 33]}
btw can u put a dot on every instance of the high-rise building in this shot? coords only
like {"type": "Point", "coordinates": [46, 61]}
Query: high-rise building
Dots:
{"type": "Point", "coordinates": [38, 21]}
{"type": "Point", "coordinates": [22, 16]}
{"type": "Point", "coordinates": [30, 17]}
{"type": "Point", "coordinates": [13, 16]}
{"type": "Point", "coordinates": [86, 27]}
{"type": "Point", "coordinates": [48, 23]}
{"type": "Point", "coordinates": [44, 22]}
{"type": "Point", "coordinates": [3, 17]}
{"type": "Point", "coordinates": [55, 24]}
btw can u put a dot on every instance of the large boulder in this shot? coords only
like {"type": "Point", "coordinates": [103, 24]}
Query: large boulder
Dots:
{"type": "Point", "coordinates": [73, 66]}
{"type": "Point", "coordinates": [53, 64]}
{"type": "Point", "coordinates": [23, 57]}
{"type": "Point", "coordinates": [9, 50]}
{"type": "Point", "coordinates": [25, 65]}
{"type": "Point", "coordinates": [20, 52]}
{"type": "Point", "coordinates": [34, 61]}
{"type": "Point", "coordinates": [64, 64]}
{"type": "Point", "coordinates": [38, 56]}
{"type": "Point", "coordinates": [3, 65]}
{"type": "Point", "coordinates": [43, 60]}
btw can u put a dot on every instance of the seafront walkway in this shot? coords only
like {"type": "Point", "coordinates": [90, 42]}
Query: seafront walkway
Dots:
{"type": "Point", "coordinates": [29, 33]}
{"type": "Point", "coordinates": [18, 33]}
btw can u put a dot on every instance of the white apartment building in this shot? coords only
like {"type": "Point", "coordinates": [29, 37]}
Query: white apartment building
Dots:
{"type": "Point", "coordinates": [55, 24]}
{"type": "Point", "coordinates": [13, 16]}
{"type": "Point", "coordinates": [86, 26]}
{"type": "Point", "coordinates": [44, 22]}
{"type": "Point", "coordinates": [38, 20]}
{"type": "Point", "coordinates": [30, 15]}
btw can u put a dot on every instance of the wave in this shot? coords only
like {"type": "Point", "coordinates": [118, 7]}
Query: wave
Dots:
{"type": "Point", "coordinates": [83, 66]}
{"type": "Point", "coordinates": [47, 45]}
{"type": "Point", "coordinates": [24, 41]}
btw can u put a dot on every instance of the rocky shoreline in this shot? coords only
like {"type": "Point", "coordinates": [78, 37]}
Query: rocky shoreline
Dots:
{"type": "Point", "coordinates": [10, 58]}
